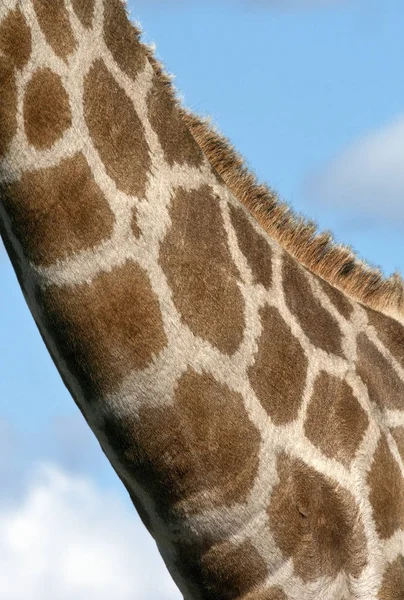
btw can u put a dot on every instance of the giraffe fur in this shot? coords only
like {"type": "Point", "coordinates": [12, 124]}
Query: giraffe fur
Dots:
{"type": "Point", "coordinates": [251, 403]}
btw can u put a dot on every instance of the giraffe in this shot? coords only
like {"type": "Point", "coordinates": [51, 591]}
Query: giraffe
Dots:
{"type": "Point", "coordinates": [243, 375]}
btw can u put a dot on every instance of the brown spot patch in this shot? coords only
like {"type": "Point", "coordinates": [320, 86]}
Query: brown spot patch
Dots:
{"type": "Point", "coordinates": [8, 105]}
{"type": "Point", "coordinates": [84, 9]}
{"type": "Point", "coordinates": [398, 435]}
{"type": "Point", "coordinates": [46, 109]}
{"type": "Point", "coordinates": [54, 21]}
{"type": "Point", "coordinates": [383, 384]}
{"type": "Point", "coordinates": [200, 271]}
{"type": "Point", "coordinates": [116, 131]}
{"type": "Point", "coordinates": [278, 375]}
{"type": "Point", "coordinates": [272, 593]}
{"type": "Point", "coordinates": [105, 329]}
{"type": "Point", "coordinates": [174, 136]}
{"type": "Point", "coordinates": [199, 453]}
{"type": "Point", "coordinates": [315, 522]}
{"type": "Point", "coordinates": [337, 297]}
{"type": "Point", "coordinates": [386, 491]}
{"type": "Point", "coordinates": [254, 246]}
{"type": "Point", "coordinates": [393, 581]}
{"type": "Point", "coordinates": [390, 332]}
{"type": "Point", "coordinates": [335, 423]}
{"type": "Point", "coordinates": [224, 570]}
{"type": "Point", "coordinates": [231, 571]}
{"type": "Point", "coordinates": [134, 224]}
{"type": "Point", "coordinates": [15, 38]}
{"type": "Point", "coordinates": [317, 323]}
{"type": "Point", "coordinates": [58, 211]}
{"type": "Point", "coordinates": [122, 38]}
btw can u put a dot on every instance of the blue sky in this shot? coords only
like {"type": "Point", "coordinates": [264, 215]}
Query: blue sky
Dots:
{"type": "Point", "coordinates": [312, 94]}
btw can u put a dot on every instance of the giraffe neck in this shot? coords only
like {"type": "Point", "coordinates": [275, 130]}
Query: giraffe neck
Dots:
{"type": "Point", "coordinates": [236, 395]}
{"type": "Point", "coordinates": [116, 225]}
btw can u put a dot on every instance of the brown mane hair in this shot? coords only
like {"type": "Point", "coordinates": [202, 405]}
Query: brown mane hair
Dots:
{"type": "Point", "coordinates": [317, 251]}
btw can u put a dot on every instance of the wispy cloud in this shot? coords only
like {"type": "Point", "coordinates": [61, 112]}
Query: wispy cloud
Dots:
{"type": "Point", "coordinates": [66, 441]}
{"type": "Point", "coordinates": [367, 178]}
{"type": "Point", "coordinates": [68, 539]}
{"type": "Point", "coordinates": [66, 528]}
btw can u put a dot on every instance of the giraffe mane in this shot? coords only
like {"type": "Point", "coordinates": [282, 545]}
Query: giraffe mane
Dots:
{"type": "Point", "coordinates": [316, 250]}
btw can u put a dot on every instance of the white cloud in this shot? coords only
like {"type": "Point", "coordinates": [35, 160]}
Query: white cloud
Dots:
{"type": "Point", "coordinates": [68, 539]}
{"type": "Point", "coordinates": [70, 443]}
{"type": "Point", "coordinates": [366, 178]}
